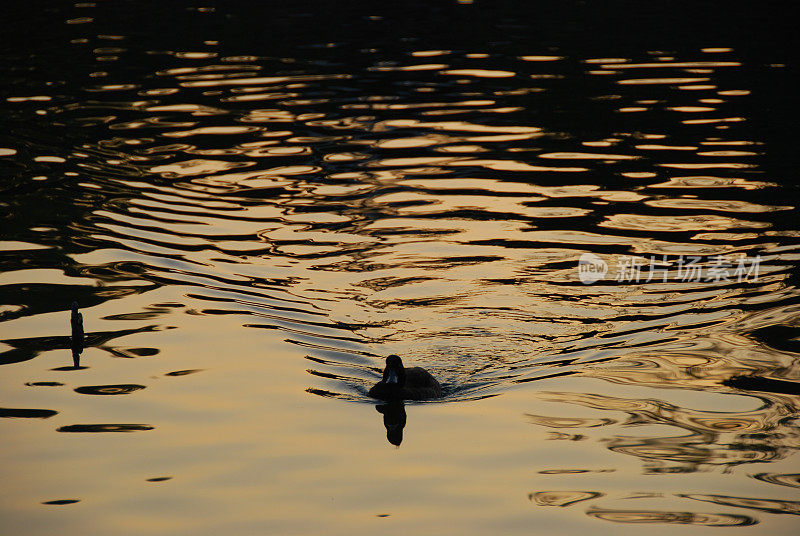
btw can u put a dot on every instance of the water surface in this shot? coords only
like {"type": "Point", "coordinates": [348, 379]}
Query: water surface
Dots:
{"type": "Point", "coordinates": [253, 206]}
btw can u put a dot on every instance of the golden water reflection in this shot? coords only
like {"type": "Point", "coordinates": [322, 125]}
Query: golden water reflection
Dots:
{"type": "Point", "coordinates": [251, 219]}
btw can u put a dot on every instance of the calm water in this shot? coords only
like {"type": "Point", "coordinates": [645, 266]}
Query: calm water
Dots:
{"type": "Point", "coordinates": [253, 205]}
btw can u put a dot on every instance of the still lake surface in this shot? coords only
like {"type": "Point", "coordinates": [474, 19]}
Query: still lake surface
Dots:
{"type": "Point", "coordinates": [253, 205]}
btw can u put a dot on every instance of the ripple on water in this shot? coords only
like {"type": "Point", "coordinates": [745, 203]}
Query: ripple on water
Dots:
{"type": "Point", "coordinates": [366, 198]}
{"type": "Point", "coordinates": [790, 480]}
{"type": "Point", "coordinates": [122, 389]}
{"type": "Point", "coordinates": [678, 518]}
{"type": "Point", "coordinates": [102, 428]}
{"type": "Point", "coordinates": [562, 498]}
{"type": "Point", "coordinates": [61, 502]}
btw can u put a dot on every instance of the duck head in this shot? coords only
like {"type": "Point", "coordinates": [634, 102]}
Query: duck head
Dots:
{"type": "Point", "coordinates": [394, 375]}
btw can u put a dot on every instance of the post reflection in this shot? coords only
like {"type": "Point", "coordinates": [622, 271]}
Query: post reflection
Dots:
{"type": "Point", "coordinates": [77, 350]}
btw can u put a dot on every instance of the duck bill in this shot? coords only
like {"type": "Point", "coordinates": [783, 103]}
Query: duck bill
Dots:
{"type": "Point", "coordinates": [391, 378]}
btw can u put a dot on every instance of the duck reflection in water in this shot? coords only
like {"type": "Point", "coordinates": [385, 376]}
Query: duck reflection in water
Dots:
{"type": "Point", "coordinates": [394, 419]}
{"type": "Point", "coordinates": [77, 339]}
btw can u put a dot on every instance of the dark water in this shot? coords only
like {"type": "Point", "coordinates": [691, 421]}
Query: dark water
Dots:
{"type": "Point", "coordinates": [252, 205]}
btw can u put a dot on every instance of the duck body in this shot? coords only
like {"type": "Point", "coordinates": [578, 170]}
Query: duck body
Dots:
{"type": "Point", "coordinates": [401, 383]}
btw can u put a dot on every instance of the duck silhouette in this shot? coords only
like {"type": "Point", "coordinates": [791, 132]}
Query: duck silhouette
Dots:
{"type": "Point", "coordinates": [401, 383]}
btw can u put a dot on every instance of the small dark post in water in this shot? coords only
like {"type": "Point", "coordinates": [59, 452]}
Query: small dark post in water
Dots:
{"type": "Point", "coordinates": [76, 320]}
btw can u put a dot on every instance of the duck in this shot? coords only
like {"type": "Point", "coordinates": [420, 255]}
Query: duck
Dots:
{"type": "Point", "coordinates": [401, 383]}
